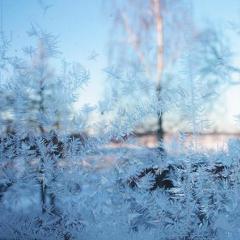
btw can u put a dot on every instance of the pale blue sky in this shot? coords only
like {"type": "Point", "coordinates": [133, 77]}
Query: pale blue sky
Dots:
{"type": "Point", "coordinates": [83, 27]}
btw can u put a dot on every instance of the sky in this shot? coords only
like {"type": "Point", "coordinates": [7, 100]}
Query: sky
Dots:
{"type": "Point", "coordinates": [83, 30]}
{"type": "Point", "coordinates": [80, 26]}
{"type": "Point", "coordinates": [222, 13]}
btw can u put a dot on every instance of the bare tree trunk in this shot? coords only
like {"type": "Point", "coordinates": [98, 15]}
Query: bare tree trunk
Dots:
{"type": "Point", "coordinates": [160, 131]}
{"type": "Point", "coordinates": [42, 192]}
{"type": "Point", "coordinates": [43, 187]}
{"type": "Point", "coordinates": [135, 40]}
{"type": "Point", "coordinates": [156, 8]}
{"type": "Point", "coordinates": [54, 140]}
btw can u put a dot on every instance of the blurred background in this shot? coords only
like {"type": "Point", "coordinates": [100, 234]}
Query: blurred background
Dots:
{"type": "Point", "coordinates": [151, 39]}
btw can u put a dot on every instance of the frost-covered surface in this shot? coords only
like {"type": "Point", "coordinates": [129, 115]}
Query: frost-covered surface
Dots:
{"type": "Point", "coordinates": [58, 182]}
{"type": "Point", "coordinates": [116, 201]}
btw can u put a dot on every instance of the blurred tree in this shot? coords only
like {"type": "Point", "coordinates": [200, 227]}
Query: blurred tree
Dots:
{"type": "Point", "coordinates": [6, 99]}
{"type": "Point", "coordinates": [42, 105]}
{"type": "Point", "coordinates": [145, 26]}
{"type": "Point", "coordinates": [160, 35]}
{"type": "Point", "coordinates": [43, 99]}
